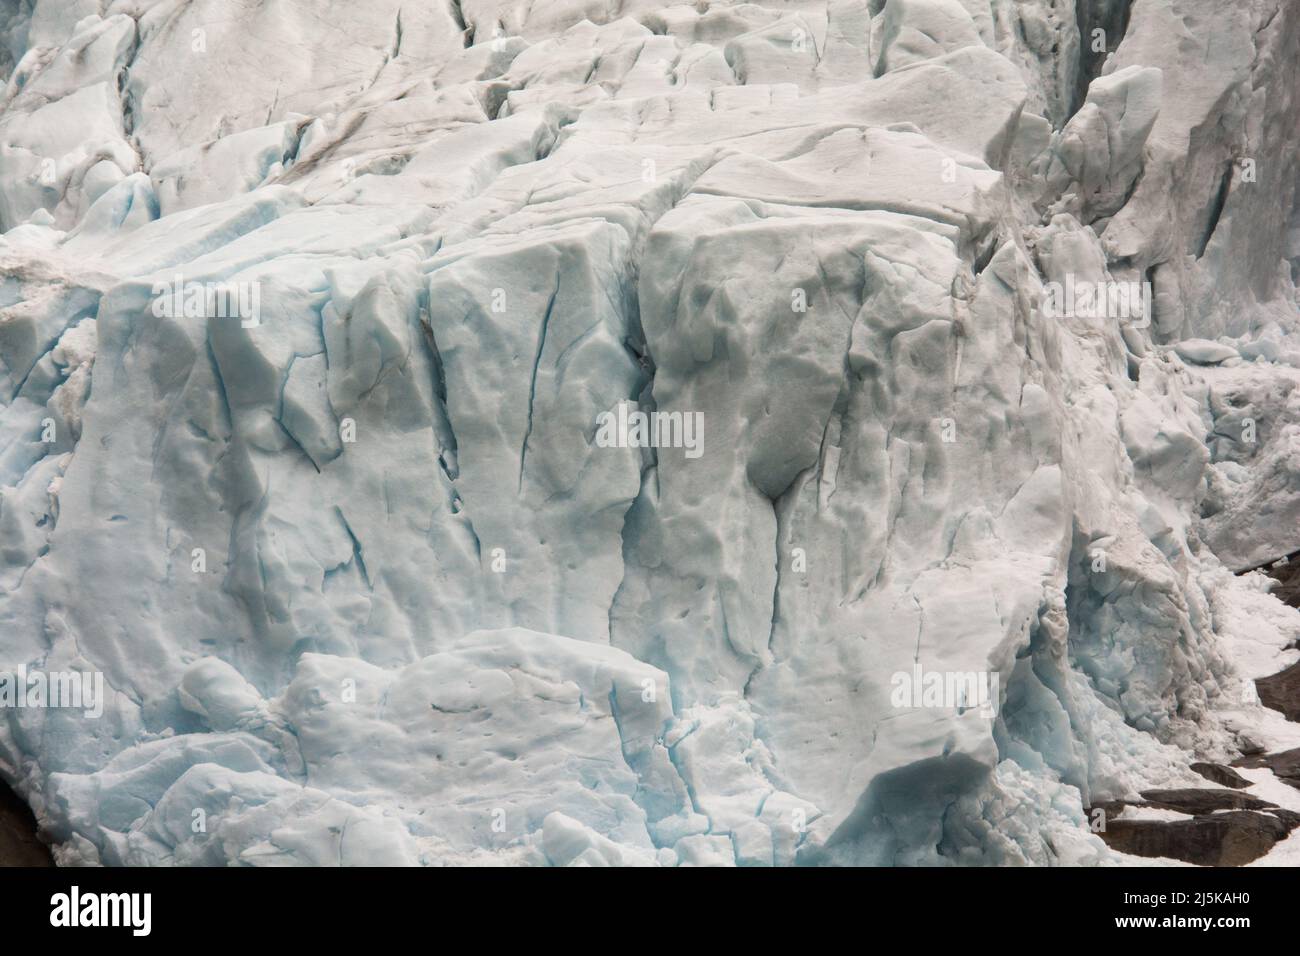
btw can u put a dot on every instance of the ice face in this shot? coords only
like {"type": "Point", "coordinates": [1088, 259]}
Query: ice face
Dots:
{"type": "Point", "coordinates": [639, 433]}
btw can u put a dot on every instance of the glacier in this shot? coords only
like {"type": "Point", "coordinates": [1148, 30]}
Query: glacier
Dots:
{"type": "Point", "coordinates": [362, 583]}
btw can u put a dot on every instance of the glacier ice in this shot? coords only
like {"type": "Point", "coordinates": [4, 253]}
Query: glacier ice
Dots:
{"type": "Point", "coordinates": [365, 588]}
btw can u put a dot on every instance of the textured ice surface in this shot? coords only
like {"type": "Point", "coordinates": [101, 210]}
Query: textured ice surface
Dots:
{"type": "Point", "coordinates": [365, 588]}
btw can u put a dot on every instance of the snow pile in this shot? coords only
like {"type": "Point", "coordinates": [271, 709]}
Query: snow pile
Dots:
{"type": "Point", "coordinates": [311, 318]}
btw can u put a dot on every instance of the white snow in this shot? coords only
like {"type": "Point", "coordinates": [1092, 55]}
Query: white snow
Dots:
{"type": "Point", "coordinates": [364, 587]}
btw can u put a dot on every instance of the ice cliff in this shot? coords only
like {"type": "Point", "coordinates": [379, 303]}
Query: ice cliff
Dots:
{"type": "Point", "coordinates": [362, 584]}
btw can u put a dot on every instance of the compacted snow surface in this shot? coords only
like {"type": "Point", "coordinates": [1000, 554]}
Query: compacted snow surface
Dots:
{"type": "Point", "coordinates": [326, 332]}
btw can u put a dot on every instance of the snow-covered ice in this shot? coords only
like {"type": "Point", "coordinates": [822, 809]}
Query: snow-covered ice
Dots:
{"type": "Point", "coordinates": [309, 318]}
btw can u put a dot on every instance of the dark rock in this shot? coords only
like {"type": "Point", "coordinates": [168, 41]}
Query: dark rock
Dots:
{"type": "Point", "coordinates": [1282, 690]}
{"type": "Point", "coordinates": [1285, 765]}
{"type": "Point", "coordinates": [1290, 817]}
{"type": "Point", "coordinates": [1233, 838]}
{"type": "Point", "coordinates": [1193, 801]}
{"type": "Point", "coordinates": [1109, 808]}
{"type": "Point", "coordinates": [19, 844]}
{"type": "Point", "coordinates": [1288, 590]}
{"type": "Point", "coordinates": [1223, 776]}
